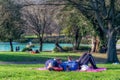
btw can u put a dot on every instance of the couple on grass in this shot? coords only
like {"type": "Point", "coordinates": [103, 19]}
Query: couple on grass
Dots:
{"type": "Point", "coordinates": [81, 63]}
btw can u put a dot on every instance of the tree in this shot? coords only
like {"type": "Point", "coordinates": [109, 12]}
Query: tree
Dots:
{"type": "Point", "coordinates": [11, 23]}
{"type": "Point", "coordinates": [38, 19]}
{"type": "Point", "coordinates": [99, 39]}
{"type": "Point", "coordinates": [75, 25]}
{"type": "Point", "coordinates": [106, 14]}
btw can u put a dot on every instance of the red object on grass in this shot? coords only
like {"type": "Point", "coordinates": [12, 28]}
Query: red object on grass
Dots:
{"type": "Point", "coordinates": [58, 69]}
{"type": "Point", "coordinates": [33, 52]}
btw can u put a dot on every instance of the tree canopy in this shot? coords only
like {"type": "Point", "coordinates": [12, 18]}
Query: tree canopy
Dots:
{"type": "Point", "coordinates": [11, 23]}
{"type": "Point", "coordinates": [105, 14]}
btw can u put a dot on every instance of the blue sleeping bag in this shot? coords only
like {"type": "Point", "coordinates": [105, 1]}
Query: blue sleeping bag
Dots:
{"type": "Point", "coordinates": [72, 65]}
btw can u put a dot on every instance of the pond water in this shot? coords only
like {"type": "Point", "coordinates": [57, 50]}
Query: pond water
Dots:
{"type": "Point", "coordinates": [5, 46]}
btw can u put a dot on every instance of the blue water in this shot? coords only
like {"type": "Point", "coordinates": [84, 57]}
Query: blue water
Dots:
{"type": "Point", "coordinates": [5, 46]}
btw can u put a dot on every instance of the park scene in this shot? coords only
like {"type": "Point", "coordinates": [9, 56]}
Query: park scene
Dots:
{"type": "Point", "coordinates": [59, 39]}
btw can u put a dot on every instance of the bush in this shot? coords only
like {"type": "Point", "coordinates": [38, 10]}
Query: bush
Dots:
{"type": "Point", "coordinates": [27, 49]}
{"type": "Point", "coordinates": [86, 41]}
{"type": "Point", "coordinates": [55, 49]}
{"type": "Point", "coordinates": [68, 48]}
{"type": "Point", "coordinates": [84, 48]}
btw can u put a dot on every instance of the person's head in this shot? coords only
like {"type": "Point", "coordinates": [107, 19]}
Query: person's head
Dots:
{"type": "Point", "coordinates": [58, 60]}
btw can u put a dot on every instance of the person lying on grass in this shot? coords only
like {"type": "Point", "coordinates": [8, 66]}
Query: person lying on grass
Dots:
{"type": "Point", "coordinates": [81, 63]}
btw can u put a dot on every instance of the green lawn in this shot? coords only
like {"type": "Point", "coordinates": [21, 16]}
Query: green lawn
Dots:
{"type": "Point", "coordinates": [28, 71]}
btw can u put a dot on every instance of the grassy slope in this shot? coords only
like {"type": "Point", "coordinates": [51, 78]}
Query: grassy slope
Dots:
{"type": "Point", "coordinates": [29, 72]}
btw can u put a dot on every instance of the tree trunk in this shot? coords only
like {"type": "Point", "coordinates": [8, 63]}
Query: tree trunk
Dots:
{"type": "Point", "coordinates": [77, 40]}
{"type": "Point", "coordinates": [95, 44]}
{"type": "Point", "coordinates": [103, 45]}
{"type": "Point", "coordinates": [77, 44]}
{"type": "Point", "coordinates": [11, 45]}
{"type": "Point", "coordinates": [111, 52]}
{"type": "Point", "coordinates": [41, 44]}
{"type": "Point", "coordinates": [59, 47]}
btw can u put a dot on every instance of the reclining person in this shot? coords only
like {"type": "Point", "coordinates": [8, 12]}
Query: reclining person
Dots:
{"type": "Point", "coordinates": [55, 65]}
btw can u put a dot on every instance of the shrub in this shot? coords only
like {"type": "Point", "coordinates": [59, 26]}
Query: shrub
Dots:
{"type": "Point", "coordinates": [84, 48]}
{"type": "Point", "coordinates": [86, 41]}
{"type": "Point", "coordinates": [26, 49]}
{"type": "Point", "coordinates": [68, 48]}
{"type": "Point", "coordinates": [55, 49]}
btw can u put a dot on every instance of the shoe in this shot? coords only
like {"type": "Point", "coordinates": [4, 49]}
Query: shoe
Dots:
{"type": "Point", "coordinates": [95, 67]}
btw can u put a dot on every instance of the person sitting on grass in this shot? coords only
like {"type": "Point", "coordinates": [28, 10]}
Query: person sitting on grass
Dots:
{"type": "Point", "coordinates": [54, 65]}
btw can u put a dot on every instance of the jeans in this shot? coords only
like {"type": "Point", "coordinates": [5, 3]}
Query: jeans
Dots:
{"type": "Point", "coordinates": [85, 59]}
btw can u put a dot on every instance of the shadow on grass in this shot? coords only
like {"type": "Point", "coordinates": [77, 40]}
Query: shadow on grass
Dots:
{"type": "Point", "coordinates": [100, 60]}
{"type": "Point", "coordinates": [28, 58]}
{"type": "Point", "coordinates": [37, 58]}
{"type": "Point", "coordinates": [22, 59]}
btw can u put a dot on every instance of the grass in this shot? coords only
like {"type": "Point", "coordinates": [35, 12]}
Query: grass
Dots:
{"type": "Point", "coordinates": [29, 72]}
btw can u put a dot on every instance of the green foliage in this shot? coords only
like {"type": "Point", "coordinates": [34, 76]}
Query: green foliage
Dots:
{"type": "Point", "coordinates": [86, 41]}
{"type": "Point", "coordinates": [67, 48]}
{"type": "Point", "coordinates": [74, 25]}
{"type": "Point", "coordinates": [84, 48]}
{"type": "Point", "coordinates": [74, 21]}
{"type": "Point", "coordinates": [105, 15]}
{"type": "Point", "coordinates": [26, 49]}
{"type": "Point", "coordinates": [55, 50]}
{"type": "Point", "coordinates": [11, 23]}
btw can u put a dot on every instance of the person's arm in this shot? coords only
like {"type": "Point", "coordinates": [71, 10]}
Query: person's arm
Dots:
{"type": "Point", "coordinates": [57, 67]}
{"type": "Point", "coordinates": [49, 65]}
